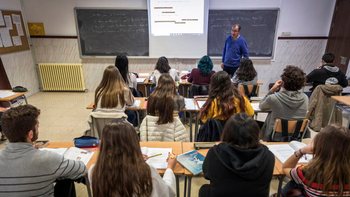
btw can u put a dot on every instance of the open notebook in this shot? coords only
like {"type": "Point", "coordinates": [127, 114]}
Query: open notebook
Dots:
{"type": "Point", "coordinates": [159, 162]}
{"type": "Point", "coordinates": [284, 151]}
{"type": "Point", "coordinates": [73, 153]}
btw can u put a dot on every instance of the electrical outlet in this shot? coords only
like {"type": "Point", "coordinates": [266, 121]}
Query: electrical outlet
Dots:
{"type": "Point", "coordinates": [286, 33]}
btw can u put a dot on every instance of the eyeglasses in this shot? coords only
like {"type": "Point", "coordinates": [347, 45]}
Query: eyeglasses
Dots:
{"type": "Point", "coordinates": [235, 31]}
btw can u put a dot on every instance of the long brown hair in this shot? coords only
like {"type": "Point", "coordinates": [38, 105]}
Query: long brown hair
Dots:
{"type": "Point", "coordinates": [161, 101]}
{"type": "Point", "coordinates": [222, 89]}
{"type": "Point", "coordinates": [111, 89]}
{"type": "Point", "coordinates": [331, 161]}
{"type": "Point", "coordinates": [120, 169]}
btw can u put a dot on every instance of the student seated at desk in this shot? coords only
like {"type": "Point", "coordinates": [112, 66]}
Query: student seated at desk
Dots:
{"type": "Point", "coordinates": [224, 99]}
{"type": "Point", "coordinates": [328, 173]}
{"type": "Point", "coordinates": [202, 74]}
{"type": "Point", "coordinates": [162, 122]}
{"type": "Point", "coordinates": [246, 73]}
{"type": "Point", "coordinates": [327, 73]}
{"type": "Point", "coordinates": [122, 63]}
{"type": "Point", "coordinates": [112, 94]}
{"type": "Point", "coordinates": [162, 67]}
{"type": "Point", "coordinates": [288, 104]}
{"type": "Point", "coordinates": [239, 165]}
{"type": "Point", "coordinates": [26, 171]}
{"type": "Point", "coordinates": [121, 170]}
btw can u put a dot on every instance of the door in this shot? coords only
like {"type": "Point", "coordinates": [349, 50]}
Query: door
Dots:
{"type": "Point", "coordinates": [339, 35]}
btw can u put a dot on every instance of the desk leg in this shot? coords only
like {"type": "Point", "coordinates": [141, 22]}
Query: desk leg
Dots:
{"type": "Point", "coordinates": [138, 118]}
{"type": "Point", "coordinates": [196, 128]}
{"type": "Point", "coordinates": [25, 99]}
{"type": "Point", "coordinates": [88, 186]}
{"type": "Point", "coordinates": [191, 127]}
{"type": "Point", "coordinates": [189, 186]}
{"type": "Point", "coordinates": [146, 95]}
{"type": "Point", "coordinates": [185, 186]}
{"type": "Point", "coordinates": [330, 117]}
{"type": "Point", "coordinates": [177, 186]}
{"type": "Point", "coordinates": [280, 185]}
{"type": "Point", "coordinates": [183, 90]}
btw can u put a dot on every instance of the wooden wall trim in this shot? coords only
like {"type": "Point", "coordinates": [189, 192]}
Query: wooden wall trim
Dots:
{"type": "Point", "coordinates": [304, 38]}
{"type": "Point", "coordinates": [62, 37]}
{"type": "Point", "coordinates": [279, 38]}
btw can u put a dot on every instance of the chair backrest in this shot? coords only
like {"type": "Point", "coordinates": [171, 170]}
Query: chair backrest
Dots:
{"type": "Point", "coordinates": [195, 90]}
{"type": "Point", "coordinates": [297, 130]}
{"type": "Point", "coordinates": [211, 130]}
{"type": "Point", "coordinates": [249, 90]}
{"type": "Point", "coordinates": [97, 126]}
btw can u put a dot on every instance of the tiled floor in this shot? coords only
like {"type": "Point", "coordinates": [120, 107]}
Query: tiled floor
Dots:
{"type": "Point", "coordinates": [64, 115]}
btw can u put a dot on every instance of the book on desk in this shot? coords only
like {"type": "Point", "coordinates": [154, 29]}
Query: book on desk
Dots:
{"type": "Point", "coordinates": [72, 153]}
{"type": "Point", "coordinates": [192, 161]}
{"type": "Point", "coordinates": [284, 151]}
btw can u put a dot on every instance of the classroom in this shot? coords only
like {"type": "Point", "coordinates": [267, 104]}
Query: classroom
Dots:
{"type": "Point", "coordinates": [302, 33]}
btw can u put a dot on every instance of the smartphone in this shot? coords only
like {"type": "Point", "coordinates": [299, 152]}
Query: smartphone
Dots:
{"type": "Point", "coordinates": [42, 143]}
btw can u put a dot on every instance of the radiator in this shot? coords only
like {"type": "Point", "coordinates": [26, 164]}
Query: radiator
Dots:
{"type": "Point", "coordinates": [62, 77]}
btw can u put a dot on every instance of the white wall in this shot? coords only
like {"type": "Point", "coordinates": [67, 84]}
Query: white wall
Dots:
{"type": "Point", "coordinates": [301, 17]}
{"type": "Point", "coordinates": [19, 66]}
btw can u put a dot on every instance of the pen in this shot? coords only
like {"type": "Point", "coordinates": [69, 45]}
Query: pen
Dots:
{"type": "Point", "coordinates": [155, 155]}
{"type": "Point", "coordinates": [172, 155]}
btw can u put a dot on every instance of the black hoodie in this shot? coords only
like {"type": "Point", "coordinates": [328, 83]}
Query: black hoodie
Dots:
{"type": "Point", "coordinates": [328, 74]}
{"type": "Point", "coordinates": [233, 171]}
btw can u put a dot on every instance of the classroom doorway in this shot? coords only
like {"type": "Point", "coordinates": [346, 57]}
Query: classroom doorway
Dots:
{"type": "Point", "coordinates": [339, 35]}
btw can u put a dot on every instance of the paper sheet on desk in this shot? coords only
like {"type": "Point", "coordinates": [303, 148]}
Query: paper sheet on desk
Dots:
{"type": "Point", "coordinates": [184, 72]}
{"type": "Point", "coordinates": [200, 103]}
{"type": "Point", "coordinates": [143, 74]}
{"type": "Point", "coordinates": [4, 94]}
{"type": "Point", "coordinates": [159, 162]}
{"type": "Point", "coordinates": [255, 106]}
{"type": "Point", "coordinates": [140, 80]}
{"type": "Point", "coordinates": [189, 104]}
{"type": "Point", "coordinates": [136, 103]}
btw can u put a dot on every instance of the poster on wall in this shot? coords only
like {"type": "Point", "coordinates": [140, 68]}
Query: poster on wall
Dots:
{"type": "Point", "coordinates": [2, 22]}
{"type": "Point", "coordinates": [36, 29]}
{"type": "Point", "coordinates": [5, 36]}
{"type": "Point", "coordinates": [8, 22]}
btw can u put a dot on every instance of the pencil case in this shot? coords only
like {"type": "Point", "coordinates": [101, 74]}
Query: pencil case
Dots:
{"type": "Point", "coordinates": [86, 141]}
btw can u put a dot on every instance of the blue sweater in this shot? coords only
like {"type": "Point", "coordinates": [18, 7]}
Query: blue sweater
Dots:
{"type": "Point", "coordinates": [233, 51]}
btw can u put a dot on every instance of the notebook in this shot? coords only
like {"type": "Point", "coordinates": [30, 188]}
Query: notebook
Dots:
{"type": "Point", "coordinates": [72, 153]}
{"type": "Point", "coordinates": [159, 162]}
{"type": "Point", "coordinates": [284, 151]}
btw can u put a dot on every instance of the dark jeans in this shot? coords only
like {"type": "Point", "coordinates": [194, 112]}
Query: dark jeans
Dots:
{"type": "Point", "coordinates": [230, 70]}
{"type": "Point", "coordinates": [291, 185]}
{"type": "Point", "coordinates": [308, 94]}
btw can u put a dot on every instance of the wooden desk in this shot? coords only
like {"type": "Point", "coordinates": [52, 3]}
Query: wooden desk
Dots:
{"type": "Point", "coordinates": [17, 97]}
{"type": "Point", "coordinates": [141, 106]}
{"type": "Point", "coordinates": [188, 146]}
{"type": "Point", "coordinates": [343, 103]}
{"type": "Point", "coordinates": [176, 146]}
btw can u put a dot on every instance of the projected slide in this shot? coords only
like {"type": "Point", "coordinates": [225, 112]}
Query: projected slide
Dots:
{"type": "Point", "coordinates": [176, 17]}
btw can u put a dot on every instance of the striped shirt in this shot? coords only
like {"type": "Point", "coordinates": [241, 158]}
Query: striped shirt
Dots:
{"type": "Point", "coordinates": [26, 171]}
{"type": "Point", "coordinates": [297, 175]}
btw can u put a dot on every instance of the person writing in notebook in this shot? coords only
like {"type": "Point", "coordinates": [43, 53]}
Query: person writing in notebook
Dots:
{"type": "Point", "coordinates": [235, 47]}
{"type": "Point", "coordinates": [120, 169]}
{"type": "Point", "coordinates": [328, 173]}
{"type": "Point", "coordinates": [26, 171]}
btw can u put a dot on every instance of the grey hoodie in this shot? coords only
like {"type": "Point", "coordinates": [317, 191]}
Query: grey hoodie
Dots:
{"type": "Point", "coordinates": [289, 105]}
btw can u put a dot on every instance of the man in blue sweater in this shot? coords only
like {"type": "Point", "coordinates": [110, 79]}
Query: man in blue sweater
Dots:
{"type": "Point", "coordinates": [235, 47]}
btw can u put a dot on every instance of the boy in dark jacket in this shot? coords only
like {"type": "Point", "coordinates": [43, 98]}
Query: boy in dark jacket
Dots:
{"type": "Point", "coordinates": [327, 74]}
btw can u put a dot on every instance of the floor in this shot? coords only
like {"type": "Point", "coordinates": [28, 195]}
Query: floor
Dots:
{"type": "Point", "coordinates": [64, 115]}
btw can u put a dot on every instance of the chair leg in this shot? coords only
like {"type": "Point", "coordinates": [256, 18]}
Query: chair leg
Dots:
{"type": "Point", "coordinates": [88, 188]}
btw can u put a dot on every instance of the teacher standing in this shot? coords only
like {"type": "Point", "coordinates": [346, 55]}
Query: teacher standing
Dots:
{"type": "Point", "coordinates": [235, 46]}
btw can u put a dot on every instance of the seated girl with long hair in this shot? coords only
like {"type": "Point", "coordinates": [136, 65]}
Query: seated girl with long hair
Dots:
{"type": "Point", "coordinates": [162, 122]}
{"type": "Point", "coordinates": [202, 74]}
{"type": "Point", "coordinates": [120, 169]}
{"type": "Point", "coordinates": [246, 73]}
{"type": "Point", "coordinates": [224, 99]}
{"type": "Point", "coordinates": [328, 173]}
{"type": "Point", "coordinates": [163, 67]}
{"type": "Point", "coordinates": [112, 94]}
{"type": "Point", "coordinates": [122, 63]}
{"type": "Point", "coordinates": [240, 165]}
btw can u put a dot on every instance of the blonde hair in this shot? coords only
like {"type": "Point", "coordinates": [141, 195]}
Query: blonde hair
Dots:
{"type": "Point", "coordinates": [111, 89]}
